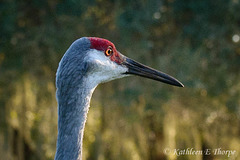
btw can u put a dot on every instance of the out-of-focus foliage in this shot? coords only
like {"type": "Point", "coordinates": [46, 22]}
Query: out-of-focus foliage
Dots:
{"type": "Point", "coordinates": [196, 41]}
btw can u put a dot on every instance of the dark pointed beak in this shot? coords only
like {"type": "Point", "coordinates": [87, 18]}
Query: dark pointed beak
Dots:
{"type": "Point", "coordinates": [139, 69]}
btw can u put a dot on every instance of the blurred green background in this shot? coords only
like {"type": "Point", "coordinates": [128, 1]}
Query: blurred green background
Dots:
{"type": "Point", "coordinates": [196, 41]}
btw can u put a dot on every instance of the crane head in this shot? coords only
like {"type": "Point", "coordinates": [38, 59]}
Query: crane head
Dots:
{"type": "Point", "coordinates": [102, 62]}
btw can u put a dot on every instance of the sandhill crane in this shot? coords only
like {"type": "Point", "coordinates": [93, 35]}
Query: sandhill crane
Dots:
{"type": "Point", "coordinates": [88, 62]}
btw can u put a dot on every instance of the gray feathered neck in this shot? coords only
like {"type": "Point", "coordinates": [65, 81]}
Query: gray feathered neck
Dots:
{"type": "Point", "coordinates": [73, 96]}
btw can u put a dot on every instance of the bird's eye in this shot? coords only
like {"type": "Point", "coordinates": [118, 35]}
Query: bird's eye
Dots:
{"type": "Point", "coordinates": [109, 51]}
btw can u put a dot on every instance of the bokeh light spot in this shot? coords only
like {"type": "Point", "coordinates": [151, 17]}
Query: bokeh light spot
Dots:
{"type": "Point", "coordinates": [235, 38]}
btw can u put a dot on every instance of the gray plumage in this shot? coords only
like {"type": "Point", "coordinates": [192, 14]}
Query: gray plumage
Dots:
{"type": "Point", "coordinates": [88, 62]}
{"type": "Point", "coordinates": [73, 96]}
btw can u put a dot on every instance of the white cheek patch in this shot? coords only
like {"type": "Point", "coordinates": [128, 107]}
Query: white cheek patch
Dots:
{"type": "Point", "coordinates": [104, 69]}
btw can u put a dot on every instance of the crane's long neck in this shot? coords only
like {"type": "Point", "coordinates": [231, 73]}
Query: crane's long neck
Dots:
{"type": "Point", "coordinates": [73, 106]}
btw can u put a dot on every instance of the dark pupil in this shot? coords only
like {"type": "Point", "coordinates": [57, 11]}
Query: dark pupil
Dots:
{"type": "Point", "coordinates": [109, 51]}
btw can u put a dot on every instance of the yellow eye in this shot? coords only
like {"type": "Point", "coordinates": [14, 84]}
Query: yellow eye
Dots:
{"type": "Point", "coordinates": [109, 51]}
